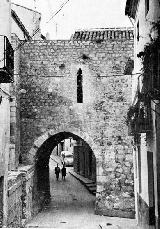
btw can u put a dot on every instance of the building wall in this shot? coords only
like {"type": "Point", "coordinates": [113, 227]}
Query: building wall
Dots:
{"type": "Point", "coordinates": [84, 161]}
{"type": "Point", "coordinates": [49, 76]}
{"type": "Point", "coordinates": [69, 145]}
{"type": "Point", "coordinates": [17, 30]}
{"type": "Point", "coordinates": [14, 109]}
{"type": "Point", "coordinates": [14, 217]}
{"type": "Point", "coordinates": [5, 29]}
{"type": "Point", "coordinates": [145, 25]}
{"type": "Point", "coordinates": [11, 209]}
{"type": "Point", "coordinates": [20, 194]}
{"type": "Point", "coordinates": [146, 209]}
{"type": "Point", "coordinates": [5, 18]}
{"type": "Point", "coordinates": [30, 19]}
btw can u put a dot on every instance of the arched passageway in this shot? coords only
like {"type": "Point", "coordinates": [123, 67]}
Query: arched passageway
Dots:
{"type": "Point", "coordinates": [84, 164]}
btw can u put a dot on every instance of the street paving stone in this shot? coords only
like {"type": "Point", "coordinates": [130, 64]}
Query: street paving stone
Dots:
{"type": "Point", "coordinates": [72, 207]}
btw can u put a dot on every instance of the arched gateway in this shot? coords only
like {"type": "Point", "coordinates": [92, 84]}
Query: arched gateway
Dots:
{"type": "Point", "coordinates": [39, 156]}
{"type": "Point", "coordinates": [80, 88]}
{"type": "Point", "coordinates": [53, 137]}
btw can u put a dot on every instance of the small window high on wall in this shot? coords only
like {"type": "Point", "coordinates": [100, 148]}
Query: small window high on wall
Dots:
{"type": "Point", "coordinates": [138, 31]}
{"type": "Point", "coordinates": [79, 86]}
{"type": "Point", "coordinates": [146, 6]}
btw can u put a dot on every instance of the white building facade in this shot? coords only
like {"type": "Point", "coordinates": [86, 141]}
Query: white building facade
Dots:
{"type": "Point", "coordinates": [17, 25]}
{"type": "Point", "coordinates": [144, 115]}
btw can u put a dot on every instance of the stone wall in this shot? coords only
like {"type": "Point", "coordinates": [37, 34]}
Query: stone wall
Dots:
{"type": "Point", "coordinates": [14, 109]}
{"type": "Point", "coordinates": [27, 193]}
{"type": "Point", "coordinates": [14, 217]}
{"type": "Point", "coordinates": [49, 76]}
{"type": "Point", "coordinates": [20, 194]}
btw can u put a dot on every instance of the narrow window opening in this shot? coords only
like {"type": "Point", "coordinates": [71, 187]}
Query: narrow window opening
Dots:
{"type": "Point", "coordinates": [138, 31]}
{"type": "Point", "coordinates": [20, 159]}
{"type": "Point", "coordinates": [146, 7]}
{"type": "Point", "coordinates": [79, 86]}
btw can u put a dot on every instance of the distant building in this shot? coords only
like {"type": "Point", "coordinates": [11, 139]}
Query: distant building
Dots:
{"type": "Point", "coordinates": [25, 22]}
{"type": "Point", "coordinates": [144, 114]}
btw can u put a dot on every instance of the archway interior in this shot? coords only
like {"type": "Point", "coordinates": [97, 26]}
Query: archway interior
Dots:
{"type": "Point", "coordinates": [80, 164]}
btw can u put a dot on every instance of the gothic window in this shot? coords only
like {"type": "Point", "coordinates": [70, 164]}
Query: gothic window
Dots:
{"type": "Point", "coordinates": [79, 86]}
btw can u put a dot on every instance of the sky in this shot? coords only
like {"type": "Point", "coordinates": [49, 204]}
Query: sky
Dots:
{"type": "Point", "coordinates": [77, 14]}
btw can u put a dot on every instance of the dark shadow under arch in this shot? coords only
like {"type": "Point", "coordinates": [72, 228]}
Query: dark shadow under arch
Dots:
{"type": "Point", "coordinates": [42, 157]}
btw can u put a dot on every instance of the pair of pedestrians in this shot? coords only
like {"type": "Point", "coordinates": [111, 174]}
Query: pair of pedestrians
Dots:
{"type": "Point", "coordinates": [63, 171]}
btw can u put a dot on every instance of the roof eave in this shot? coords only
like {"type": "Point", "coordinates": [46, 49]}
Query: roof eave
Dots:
{"type": "Point", "coordinates": [20, 24]}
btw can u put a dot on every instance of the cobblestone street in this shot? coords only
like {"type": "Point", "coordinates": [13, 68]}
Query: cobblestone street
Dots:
{"type": "Point", "coordinates": [72, 206]}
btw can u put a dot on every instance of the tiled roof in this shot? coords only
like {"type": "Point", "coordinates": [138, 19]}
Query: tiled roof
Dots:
{"type": "Point", "coordinates": [103, 34]}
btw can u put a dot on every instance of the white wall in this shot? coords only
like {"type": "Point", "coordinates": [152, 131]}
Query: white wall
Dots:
{"type": "Point", "coordinates": [30, 19]}
{"type": "Point", "coordinates": [145, 25]}
{"type": "Point", "coordinates": [5, 29]}
{"type": "Point", "coordinates": [17, 30]}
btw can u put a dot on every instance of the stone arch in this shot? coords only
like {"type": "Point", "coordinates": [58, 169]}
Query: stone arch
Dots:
{"type": "Point", "coordinates": [40, 161]}
{"type": "Point", "coordinates": [41, 140]}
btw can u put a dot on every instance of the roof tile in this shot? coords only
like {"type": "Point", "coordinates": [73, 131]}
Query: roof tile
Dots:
{"type": "Point", "coordinates": [104, 34]}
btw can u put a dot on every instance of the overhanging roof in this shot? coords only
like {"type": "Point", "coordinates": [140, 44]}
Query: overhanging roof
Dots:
{"type": "Point", "coordinates": [20, 24]}
{"type": "Point", "coordinates": [131, 8]}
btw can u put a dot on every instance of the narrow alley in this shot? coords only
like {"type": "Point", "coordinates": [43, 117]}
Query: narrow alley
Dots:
{"type": "Point", "coordinates": [72, 206]}
{"type": "Point", "coordinates": [80, 84]}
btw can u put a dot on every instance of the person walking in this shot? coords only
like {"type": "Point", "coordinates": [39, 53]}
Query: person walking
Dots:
{"type": "Point", "coordinates": [57, 171]}
{"type": "Point", "coordinates": [63, 172]}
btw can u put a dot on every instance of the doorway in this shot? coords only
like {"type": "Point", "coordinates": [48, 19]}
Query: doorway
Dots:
{"type": "Point", "coordinates": [151, 188]}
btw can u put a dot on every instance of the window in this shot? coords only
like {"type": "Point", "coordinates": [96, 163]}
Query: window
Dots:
{"type": "Point", "coordinates": [138, 31]}
{"type": "Point", "coordinates": [79, 86]}
{"type": "Point", "coordinates": [146, 7]}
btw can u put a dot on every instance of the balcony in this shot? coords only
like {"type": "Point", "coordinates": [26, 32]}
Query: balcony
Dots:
{"type": "Point", "coordinates": [6, 60]}
{"type": "Point", "coordinates": [139, 119]}
{"type": "Point", "coordinates": [151, 70]}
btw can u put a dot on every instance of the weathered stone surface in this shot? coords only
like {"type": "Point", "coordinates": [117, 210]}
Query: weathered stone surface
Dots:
{"type": "Point", "coordinates": [27, 190]}
{"type": "Point", "coordinates": [20, 199]}
{"type": "Point", "coordinates": [49, 76]}
{"type": "Point", "coordinates": [14, 218]}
